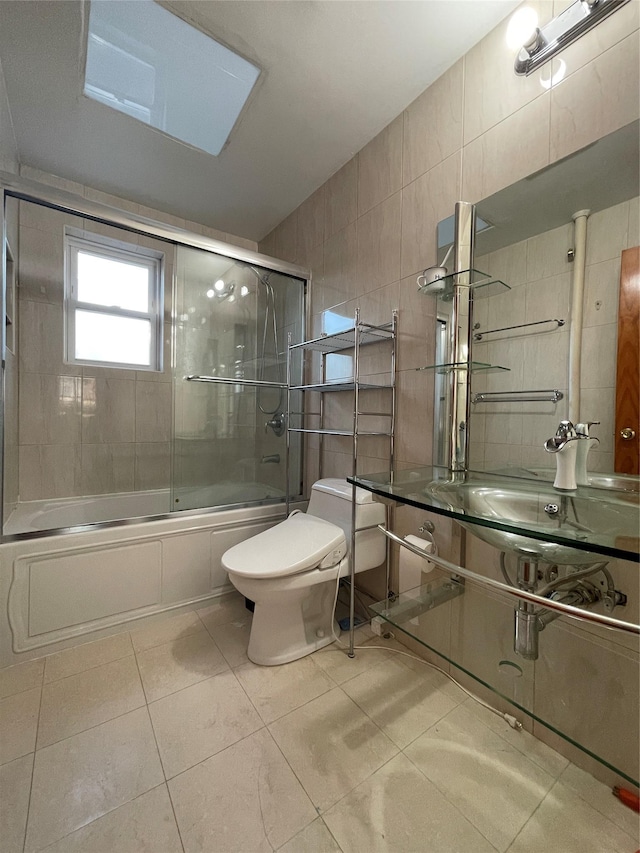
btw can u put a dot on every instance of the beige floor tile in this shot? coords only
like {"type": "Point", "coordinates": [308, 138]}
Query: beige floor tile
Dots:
{"type": "Point", "coordinates": [145, 825]}
{"type": "Point", "coordinates": [228, 608]}
{"type": "Point", "coordinates": [535, 750]}
{"type": "Point", "coordinates": [276, 690]}
{"type": "Point", "coordinates": [398, 700]}
{"type": "Point", "coordinates": [331, 745]}
{"type": "Point", "coordinates": [599, 797]}
{"type": "Point", "coordinates": [89, 698]}
{"type": "Point", "coordinates": [79, 779]}
{"type": "Point", "coordinates": [243, 799]}
{"type": "Point", "coordinates": [314, 838]}
{"type": "Point", "coordinates": [565, 822]}
{"type": "Point", "coordinates": [203, 719]}
{"type": "Point", "coordinates": [232, 639]}
{"type": "Point", "coordinates": [18, 724]}
{"type": "Point", "coordinates": [399, 811]}
{"type": "Point", "coordinates": [492, 784]}
{"type": "Point", "coordinates": [173, 666]}
{"type": "Point", "coordinates": [340, 667]}
{"type": "Point", "coordinates": [78, 659]}
{"type": "Point", "coordinates": [166, 630]}
{"type": "Point", "coordinates": [15, 787]}
{"type": "Point", "coordinates": [21, 677]}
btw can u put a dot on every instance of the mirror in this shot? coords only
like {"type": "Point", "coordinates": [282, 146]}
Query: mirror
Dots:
{"type": "Point", "coordinates": [524, 239]}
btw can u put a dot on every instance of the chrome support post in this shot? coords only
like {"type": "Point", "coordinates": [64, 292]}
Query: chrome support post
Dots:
{"type": "Point", "coordinates": [461, 335]}
{"type": "Point", "coordinates": [354, 471]}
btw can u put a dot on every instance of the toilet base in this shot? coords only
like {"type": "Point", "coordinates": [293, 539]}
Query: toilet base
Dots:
{"type": "Point", "coordinates": [288, 624]}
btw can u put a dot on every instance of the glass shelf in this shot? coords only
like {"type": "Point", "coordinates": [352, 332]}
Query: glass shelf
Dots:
{"type": "Point", "coordinates": [346, 339]}
{"type": "Point", "coordinates": [339, 385]}
{"type": "Point", "coordinates": [481, 283]}
{"type": "Point", "coordinates": [509, 512]}
{"type": "Point", "coordinates": [474, 366]}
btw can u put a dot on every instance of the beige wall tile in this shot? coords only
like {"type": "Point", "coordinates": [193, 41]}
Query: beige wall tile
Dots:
{"type": "Point", "coordinates": [633, 237]}
{"type": "Point", "coordinates": [341, 202]}
{"type": "Point", "coordinates": [379, 233]}
{"type": "Point", "coordinates": [41, 265]}
{"type": "Point", "coordinates": [152, 411]}
{"type": "Point", "coordinates": [15, 785]}
{"type": "Point", "coordinates": [547, 253]}
{"type": "Point", "coordinates": [601, 292]}
{"type": "Point", "coordinates": [548, 298]}
{"type": "Point", "coordinates": [286, 241]}
{"type": "Point", "coordinates": [43, 218]}
{"type": "Point", "coordinates": [416, 338]}
{"type": "Point", "coordinates": [425, 202]}
{"type": "Point", "coordinates": [107, 468]}
{"type": "Point", "coordinates": [414, 423]}
{"type": "Point", "coordinates": [380, 167]}
{"type": "Point", "coordinates": [433, 124]}
{"type": "Point", "coordinates": [310, 225]}
{"type": "Point", "coordinates": [597, 99]}
{"type": "Point", "coordinates": [340, 265]}
{"type": "Point", "coordinates": [599, 356]}
{"type": "Point", "coordinates": [492, 90]}
{"type": "Point", "coordinates": [41, 339]}
{"type": "Point", "coordinates": [153, 465]}
{"type": "Point", "coordinates": [49, 409]}
{"type": "Point", "coordinates": [49, 471]}
{"type": "Point", "coordinates": [607, 233]}
{"type": "Point", "coordinates": [19, 720]}
{"type": "Point", "coordinates": [511, 150]}
{"type": "Point", "coordinates": [108, 410]}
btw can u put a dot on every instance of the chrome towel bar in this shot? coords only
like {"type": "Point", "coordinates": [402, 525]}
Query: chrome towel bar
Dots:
{"type": "Point", "coordinates": [547, 603]}
{"type": "Point", "coordinates": [478, 336]}
{"type": "Point", "coordinates": [547, 396]}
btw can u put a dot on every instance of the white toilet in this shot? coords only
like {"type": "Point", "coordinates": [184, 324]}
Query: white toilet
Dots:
{"type": "Point", "coordinates": [291, 571]}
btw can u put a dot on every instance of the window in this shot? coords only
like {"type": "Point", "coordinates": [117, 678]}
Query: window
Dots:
{"type": "Point", "coordinates": [113, 303]}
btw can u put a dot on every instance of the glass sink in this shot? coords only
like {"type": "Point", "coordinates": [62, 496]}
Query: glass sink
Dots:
{"type": "Point", "coordinates": [508, 511]}
{"type": "Point", "coordinates": [530, 510]}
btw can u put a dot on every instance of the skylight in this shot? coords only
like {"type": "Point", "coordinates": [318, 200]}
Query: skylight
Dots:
{"type": "Point", "coordinates": [144, 61]}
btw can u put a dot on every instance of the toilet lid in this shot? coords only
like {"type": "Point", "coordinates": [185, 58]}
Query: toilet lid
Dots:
{"type": "Point", "coordinates": [295, 545]}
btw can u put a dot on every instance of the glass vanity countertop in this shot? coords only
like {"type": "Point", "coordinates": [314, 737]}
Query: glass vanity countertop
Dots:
{"type": "Point", "coordinates": [526, 510]}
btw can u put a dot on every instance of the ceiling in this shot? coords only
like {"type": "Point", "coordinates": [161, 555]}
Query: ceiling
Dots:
{"type": "Point", "coordinates": [333, 75]}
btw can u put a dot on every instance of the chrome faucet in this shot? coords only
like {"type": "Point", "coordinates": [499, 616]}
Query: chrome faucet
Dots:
{"type": "Point", "coordinates": [276, 423]}
{"type": "Point", "coordinates": [563, 444]}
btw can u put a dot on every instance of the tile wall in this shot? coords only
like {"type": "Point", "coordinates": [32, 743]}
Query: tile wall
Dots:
{"type": "Point", "coordinates": [540, 276]}
{"type": "Point", "coordinates": [371, 228]}
{"type": "Point", "coordinates": [8, 147]}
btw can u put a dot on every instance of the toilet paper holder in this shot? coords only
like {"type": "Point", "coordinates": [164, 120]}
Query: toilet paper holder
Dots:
{"type": "Point", "coordinates": [427, 527]}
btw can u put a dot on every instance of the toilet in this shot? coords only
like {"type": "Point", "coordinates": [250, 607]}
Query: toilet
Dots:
{"type": "Point", "coordinates": [291, 571]}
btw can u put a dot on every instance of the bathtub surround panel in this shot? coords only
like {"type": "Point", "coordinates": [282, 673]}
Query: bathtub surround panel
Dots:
{"type": "Point", "coordinates": [82, 587]}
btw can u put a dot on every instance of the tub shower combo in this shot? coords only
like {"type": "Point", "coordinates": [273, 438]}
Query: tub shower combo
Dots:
{"type": "Point", "coordinates": [143, 423]}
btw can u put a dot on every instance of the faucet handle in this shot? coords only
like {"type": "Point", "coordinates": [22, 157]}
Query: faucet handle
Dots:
{"type": "Point", "coordinates": [565, 429]}
{"type": "Point", "coordinates": [582, 430]}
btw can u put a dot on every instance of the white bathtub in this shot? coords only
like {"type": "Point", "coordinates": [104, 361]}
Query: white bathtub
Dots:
{"type": "Point", "coordinates": [72, 587]}
{"type": "Point", "coordinates": [57, 513]}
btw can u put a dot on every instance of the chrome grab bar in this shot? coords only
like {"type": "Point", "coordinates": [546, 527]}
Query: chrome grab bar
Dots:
{"type": "Point", "coordinates": [224, 380]}
{"type": "Point", "coordinates": [547, 603]}
{"type": "Point", "coordinates": [478, 336]}
{"type": "Point", "coordinates": [553, 395]}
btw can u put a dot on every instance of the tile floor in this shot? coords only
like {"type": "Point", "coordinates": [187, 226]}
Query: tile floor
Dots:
{"type": "Point", "coordinates": [166, 739]}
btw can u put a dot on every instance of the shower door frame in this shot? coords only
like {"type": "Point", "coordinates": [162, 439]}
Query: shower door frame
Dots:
{"type": "Point", "coordinates": [26, 189]}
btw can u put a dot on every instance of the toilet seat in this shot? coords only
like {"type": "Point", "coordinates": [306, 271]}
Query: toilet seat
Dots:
{"type": "Point", "coordinates": [299, 543]}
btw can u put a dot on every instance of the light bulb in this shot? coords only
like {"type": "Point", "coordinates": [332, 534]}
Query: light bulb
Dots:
{"type": "Point", "coordinates": [521, 27]}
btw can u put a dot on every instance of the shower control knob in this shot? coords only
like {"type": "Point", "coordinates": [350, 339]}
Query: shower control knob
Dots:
{"type": "Point", "coordinates": [627, 433]}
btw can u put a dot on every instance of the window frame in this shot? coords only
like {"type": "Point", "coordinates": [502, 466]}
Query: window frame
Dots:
{"type": "Point", "coordinates": [76, 241]}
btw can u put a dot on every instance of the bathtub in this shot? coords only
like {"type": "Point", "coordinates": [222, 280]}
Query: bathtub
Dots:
{"type": "Point", "coordinates": [75, 586]}
{"type": "Point", "coordinates": [56, 513]}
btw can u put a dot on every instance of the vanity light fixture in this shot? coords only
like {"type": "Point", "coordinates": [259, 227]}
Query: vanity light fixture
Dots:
{"type": "Point", "coordinates": [543, 44]}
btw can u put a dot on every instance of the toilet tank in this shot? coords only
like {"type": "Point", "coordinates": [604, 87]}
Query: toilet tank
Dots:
{"type": "Point", "coordinates": [331, 500]}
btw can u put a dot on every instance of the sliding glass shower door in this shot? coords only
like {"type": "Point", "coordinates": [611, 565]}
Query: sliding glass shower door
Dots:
{"type": "Point", "coordinates": [231, 322]}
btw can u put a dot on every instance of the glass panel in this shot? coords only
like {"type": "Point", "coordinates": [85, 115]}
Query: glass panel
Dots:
{"type": "Point", "coordinates": [233, 321]}
{"type": "Point", "coordinates": [113, 283]}
{"type": "Point", "coordinates": [82, 445]}
{"type": "Point", "coordinates": [103, 337]}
